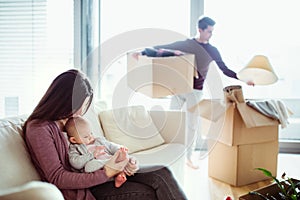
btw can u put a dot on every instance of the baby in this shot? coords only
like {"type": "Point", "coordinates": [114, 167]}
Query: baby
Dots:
{"type": "Point", "coordinates": [88, 153]}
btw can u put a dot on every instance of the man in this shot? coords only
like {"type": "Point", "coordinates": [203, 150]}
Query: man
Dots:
{"type": "Point", "coordinates": [204, 54]}
{"type": "Point", "coordinates": [205, 29]}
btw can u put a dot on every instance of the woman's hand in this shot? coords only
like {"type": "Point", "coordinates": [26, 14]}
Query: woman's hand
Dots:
{"type": "Point", "coordinates": [111, 172]}
{"type": "Point", "coordinates": [131, 167]}
{"type": "Point", "coordinates": [112, 167]}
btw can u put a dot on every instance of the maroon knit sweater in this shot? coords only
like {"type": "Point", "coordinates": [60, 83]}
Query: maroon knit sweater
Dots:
{"type": "Point", "coordinates": [49, 152]}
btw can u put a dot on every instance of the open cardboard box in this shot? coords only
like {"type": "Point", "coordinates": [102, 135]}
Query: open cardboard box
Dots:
{"type": "Point", "coordinates": [235, 123]}
{"type": "Point", "coordinates": [236, 165]}
{"type": "Point", "coordinates": [161, 76]}
{"type": "Point", "coordinates": [240, 140]}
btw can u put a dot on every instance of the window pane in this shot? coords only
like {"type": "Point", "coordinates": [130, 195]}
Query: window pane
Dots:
{"type": "Point", "coordinates": [36, 43]}
{"type": "Point", "coordinates": [269, 28]}
{"type": "Point", "coordinates": [130, 15]}
{"type": "Point", "coordinates": [259, 27]}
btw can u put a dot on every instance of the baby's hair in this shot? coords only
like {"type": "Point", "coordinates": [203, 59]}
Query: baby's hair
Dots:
{"type": "Point", "coordinates": [71, 124]}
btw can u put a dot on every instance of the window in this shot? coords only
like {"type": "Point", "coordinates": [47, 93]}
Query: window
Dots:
{"type": "Point", "coordinates": [262, 27]}
{"type": "Point", "coordinates": [134, 15]}
{"type": "Point", "coordinates": [36, 44]}
{"type": "Point", "coordinates": [259, 27]}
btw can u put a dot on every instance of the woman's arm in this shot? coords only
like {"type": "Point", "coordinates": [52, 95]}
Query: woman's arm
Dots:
{"type": "Point", "coordinates": [48, 149]}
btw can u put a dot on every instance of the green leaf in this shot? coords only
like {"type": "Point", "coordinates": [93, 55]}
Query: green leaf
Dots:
{"type": "Point", "coordinates": [291, 188]}
{"type": "Point", "coordinates": [297, 184]}
{"type": "Point", "coordinates": [266, 172]}
{"type": "Point", "coordinates": [293, 197]}
{"type": "Point", "coordinates": [269, 174]}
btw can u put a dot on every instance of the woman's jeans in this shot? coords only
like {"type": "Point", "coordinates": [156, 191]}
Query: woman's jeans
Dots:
{"type": "Point", "coordinates": [149, 183]}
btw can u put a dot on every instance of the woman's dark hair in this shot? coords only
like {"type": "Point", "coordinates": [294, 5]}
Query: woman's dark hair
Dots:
{"type": "Point", "coordinates": [64, 97]}
{"type": "Point", "coordinates": [204, 22]}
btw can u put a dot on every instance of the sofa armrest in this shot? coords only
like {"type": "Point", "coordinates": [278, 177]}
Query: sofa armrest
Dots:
{"type": "Point", "coordinates": [32, 190]}
{"type": "Point", "coordinates": [171, 125]}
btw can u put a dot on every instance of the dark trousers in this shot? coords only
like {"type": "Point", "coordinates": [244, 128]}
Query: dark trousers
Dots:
{"type": "Point", "coordinates": [149, 183]}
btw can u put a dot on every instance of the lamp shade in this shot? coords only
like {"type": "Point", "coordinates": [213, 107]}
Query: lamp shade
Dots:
{"type": "Point", "coordinates": [259, 71]}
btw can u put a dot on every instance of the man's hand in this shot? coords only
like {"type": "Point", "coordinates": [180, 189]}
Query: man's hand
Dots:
{"type": "Point", "coordinates": [250, 83]}
{"type": "Point", "coordinates": [136, 55]}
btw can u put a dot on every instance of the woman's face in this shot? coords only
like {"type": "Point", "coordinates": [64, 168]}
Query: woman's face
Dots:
{"type": "Point", "coordinates": [83, 108]}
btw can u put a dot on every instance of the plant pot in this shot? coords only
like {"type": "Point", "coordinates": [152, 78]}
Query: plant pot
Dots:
{"type": "Point", "coordinates": [268, 191]}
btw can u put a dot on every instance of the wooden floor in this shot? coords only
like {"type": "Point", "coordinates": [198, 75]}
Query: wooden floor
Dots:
{"type": "Point", "coordinates": [198, 186]}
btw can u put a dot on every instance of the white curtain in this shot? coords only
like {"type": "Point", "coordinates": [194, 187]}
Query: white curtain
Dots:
{"type": "Point", "coordinates": [36, 43]}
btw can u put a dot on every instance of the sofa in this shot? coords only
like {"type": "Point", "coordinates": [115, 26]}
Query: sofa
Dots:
{"type": "Point", "coordinates": [153, 137]}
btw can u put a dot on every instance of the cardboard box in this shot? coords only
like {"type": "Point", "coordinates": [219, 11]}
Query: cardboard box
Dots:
{"type": "Point", "coordinates": [236, 165]}
{"type": "Point", "coordinates": [161, 76]}
{"type": "Point", "coordinates": [235, 123]}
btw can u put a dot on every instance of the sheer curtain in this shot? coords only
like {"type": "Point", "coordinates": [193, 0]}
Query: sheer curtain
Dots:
{"type": "Point", "coordinates": [125, 19]}
{"type": "Point", "coordinates": [250, 27]}
{"type": "Point", "coordinates": [36, 43]}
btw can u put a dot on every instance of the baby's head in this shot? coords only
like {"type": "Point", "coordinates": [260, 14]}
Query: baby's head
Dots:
{"type": "Point", "coordinates": [79, 131]}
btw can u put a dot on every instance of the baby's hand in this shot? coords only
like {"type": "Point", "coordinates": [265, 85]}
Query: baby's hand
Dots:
{"type": "Point", "coordinates": [97, 154]}
{"type": "Point", "coordinates": [99, 150]}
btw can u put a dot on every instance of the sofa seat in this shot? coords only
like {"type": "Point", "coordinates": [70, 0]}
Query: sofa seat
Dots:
{"type": "Point", "coordinates": [20, 180]}
{"type": "Point", "coordinates": [34, 190]}
{"type": "Point", "coordinates": [166, 155]}
{"type": "Point", "coordinates": [16, 167]}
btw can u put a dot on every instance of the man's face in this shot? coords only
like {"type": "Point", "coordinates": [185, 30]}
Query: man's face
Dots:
{"type": "Point", "coordinates": [206, 34]}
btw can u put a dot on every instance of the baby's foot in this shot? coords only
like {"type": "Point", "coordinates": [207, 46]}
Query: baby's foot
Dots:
{"type": "Point", "coordinates": [122, 155]}
{"type": "Point", "coordinates": [120, 179]}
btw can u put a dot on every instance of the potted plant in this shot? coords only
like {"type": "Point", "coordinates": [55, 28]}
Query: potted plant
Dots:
{"type": "Point", "coordinates": [285, 189]}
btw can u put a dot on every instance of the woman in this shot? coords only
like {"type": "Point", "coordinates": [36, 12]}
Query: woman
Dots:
{"type": "Point", "coordinates": [70, 95]}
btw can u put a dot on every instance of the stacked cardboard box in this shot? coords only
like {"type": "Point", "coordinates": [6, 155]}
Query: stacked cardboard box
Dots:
{"type": "Point", "coordinates": [240, 140]}
{"type": "Point", "coordinates": [161, 76]}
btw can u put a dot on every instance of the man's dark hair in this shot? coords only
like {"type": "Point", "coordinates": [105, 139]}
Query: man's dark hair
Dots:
{"type": "Point", "coordinates": [204, 22]}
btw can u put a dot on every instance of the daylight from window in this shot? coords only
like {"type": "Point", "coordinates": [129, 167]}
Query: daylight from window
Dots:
{"type": "Point", "coordinates": [36, 44]}
{"type": "Point", "coordinates": [115, 21]}
{"type": "Point", "coordinates": [268, 28]}
{"type": "Point", "coordinates": [257, 27]}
